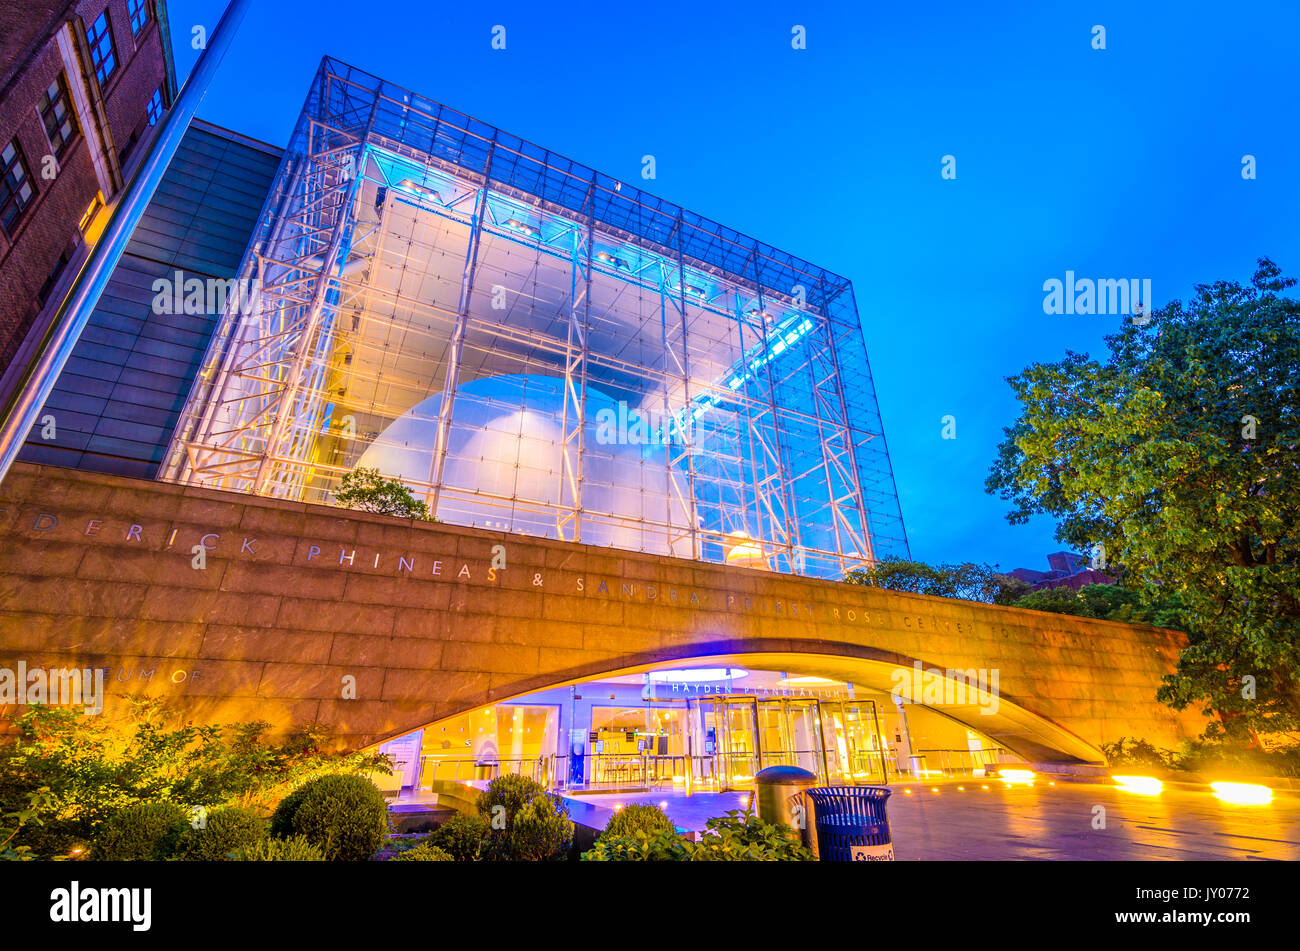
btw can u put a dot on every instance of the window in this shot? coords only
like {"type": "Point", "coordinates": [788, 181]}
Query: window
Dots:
{"type": "Point", "coordinates": [102, 54]}
{"type": "Point", "coordinates": [139, 12]}
{"type": "Point", "coordinates": [60, 123]}
{"type": "Point", "coordinates": [155, 106]}
{"type": "Point", "coordinates": [15, 187]}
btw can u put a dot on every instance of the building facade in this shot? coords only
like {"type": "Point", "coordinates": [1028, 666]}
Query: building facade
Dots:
{"type": "Point", "coordinates": [82, 83]}
{"type": "Point", "coordinates": [651, 444]}
{"type": "Point", "coordinates": [118, 400]}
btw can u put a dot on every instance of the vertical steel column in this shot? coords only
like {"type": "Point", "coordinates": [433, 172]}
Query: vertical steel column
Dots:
{"type": "Point", "coordinates": [696, 542]}
{"type": "Point", "coordinates": [454, 348]}
{"type": "Point", "coordinates": [314, 311]}
{"type": "Point", "coordinates": [792, 528]}
{"type": "Point", "coordinates": [575, 390]}
{"type": "Point", "coordinates": [33, 387]}
{"type": "Point", "coordinates": [869, 554]}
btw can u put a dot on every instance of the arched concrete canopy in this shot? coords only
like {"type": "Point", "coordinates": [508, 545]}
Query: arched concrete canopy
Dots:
{"type": "Point", "coordinates": [1005, 720]}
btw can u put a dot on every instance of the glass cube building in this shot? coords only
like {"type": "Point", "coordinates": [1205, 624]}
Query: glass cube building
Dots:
{"type": "Point", "coordinates": [534, 347]}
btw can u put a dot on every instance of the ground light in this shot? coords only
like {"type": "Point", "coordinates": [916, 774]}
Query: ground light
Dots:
{"type": "Point", "coordinates": [1243, 794]}
{"type": "Point", "coordinates": [1012, 776]}
{"type": "Point", "coordinates": [1140, 785]}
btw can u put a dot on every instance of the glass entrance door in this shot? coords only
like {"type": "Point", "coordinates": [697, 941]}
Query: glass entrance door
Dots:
{"type": "Point", "coordinates": [855, 751]}
{"type": "Point", "coordinates": [791, 734]}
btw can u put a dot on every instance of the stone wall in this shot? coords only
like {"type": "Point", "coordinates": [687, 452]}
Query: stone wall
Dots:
{"type": "Point", "coordinates": [295, 599]}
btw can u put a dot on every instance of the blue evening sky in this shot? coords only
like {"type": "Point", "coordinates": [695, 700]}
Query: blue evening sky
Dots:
{"type": "Point", "coordinates": [1122, 163]}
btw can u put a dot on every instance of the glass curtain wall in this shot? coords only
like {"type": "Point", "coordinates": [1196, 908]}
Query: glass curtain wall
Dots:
{"type": "Point", "coordinates": [536, 348]}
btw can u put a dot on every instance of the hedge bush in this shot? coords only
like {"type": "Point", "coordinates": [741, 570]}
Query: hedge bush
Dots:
{"type": "Point", "coordinates": [462, 836]}
{"type": "Point", "coordinates": [293, 849]}
{"type": "Point", "coordinates": [638, 817]}
{"type": "Point", "coordinates": [141, 832]}
{"type": "Point", "coordinates": [512, 792]}
{"type": "Point", "coordinates": [736, 837]}
{"type": "Point", "coordinates": [225, 831]}
{"type": "Point", "coordinates": [542, 831]}
{"type": "Point", "coordinates": [424, 852]}
{"type": "Point", "coordinates": [641, 846]}
{"type": "Point", "coordinates": [344, 816]}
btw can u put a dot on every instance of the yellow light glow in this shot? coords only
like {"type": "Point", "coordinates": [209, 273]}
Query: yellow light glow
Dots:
{"type": "Point", "coordinates": [808, 680]}
{"type": "Point", "coordinates": [1141, 785]}
{"type": "Point", "coordinates": [1243, 794]}
{"type": "Point", "coordinates": [1025, 776]}
{"type": "Point", "coordinates": [741, 779]}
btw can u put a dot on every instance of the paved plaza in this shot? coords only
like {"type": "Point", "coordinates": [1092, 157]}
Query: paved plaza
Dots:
{"type": "Point", "coordinates": [980, 820]}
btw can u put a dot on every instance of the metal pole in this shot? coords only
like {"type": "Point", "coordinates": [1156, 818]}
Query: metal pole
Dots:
{"type": "Point", "coordinates": [33, 388]}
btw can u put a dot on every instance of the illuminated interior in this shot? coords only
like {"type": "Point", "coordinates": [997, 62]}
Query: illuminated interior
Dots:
{"type": "Point", "coordinates": [694, 729]}
{"type": "Point", "coordinates": [534, 347]}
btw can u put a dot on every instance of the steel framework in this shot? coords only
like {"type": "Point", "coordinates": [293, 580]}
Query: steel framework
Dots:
{"type": "Point", "coordinates": [461, 307]}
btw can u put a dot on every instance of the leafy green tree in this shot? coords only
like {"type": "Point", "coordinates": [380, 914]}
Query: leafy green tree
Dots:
{"type": "Point", "coordinates": [1057, 601]}
{"type": "Point", "coordinates": [1179, 454]}
{"type": "Point", "coordinates": [967, 582]}
{"type": "Point", "coordinates": [368, 491]}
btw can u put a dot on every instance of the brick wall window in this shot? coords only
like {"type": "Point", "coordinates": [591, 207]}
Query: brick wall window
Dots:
{"type": "Point", "coordinates": [139, 12]}
{"type": "Point", "coordinates": [103, 55]}
{"type": "Point", "coordinates": [155, 106]}
{"type": "Point", "coordinates": [15, 187]}
{"type": "Point", "coordinates": [56, 114]}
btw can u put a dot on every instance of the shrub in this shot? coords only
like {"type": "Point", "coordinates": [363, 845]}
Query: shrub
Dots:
{"type": "Point", "coordinates": [737, 837]}
{"type": "Point", "coordinates": [293, 849]}
{"type": "Point", "coordinates": [462, 836]}
{"type": "Point", "coordinates": [512, 792]}
{"type": "Point", "coordinates": [744, 837]}
{"type": "Point", "coordinates": [346, 817]}
{"type": "Point", "coordinates": [542, 830]}
{"type": "Point", "coordinates": [226, 831]}
{"type": "Point", "coordinates": [424, 852]}
{"type": "Point", "coordinates": [640, 845]}
{"type": "Point", "coordinates": [84, 769]}
{"type": "Point", "coordinates": [141, 832]}
{"type": "Point", "coordinates": [638, 817]}
{"type": "Point", "coordinates": [500, 804]}
{"type": "Point", "coordinates": [1129, 751]}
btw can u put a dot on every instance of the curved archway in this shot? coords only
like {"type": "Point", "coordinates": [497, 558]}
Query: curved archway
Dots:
{"type": "Point", "coordinates": [1008, 720]}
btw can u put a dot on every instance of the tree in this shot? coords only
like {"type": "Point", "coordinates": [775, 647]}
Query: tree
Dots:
{"type": "Point", "coordinates": [367, 490]}
{"type": "Point", "coordinates": [968, 581]}
{"type": "Point", "coordinates": [1179, 455]}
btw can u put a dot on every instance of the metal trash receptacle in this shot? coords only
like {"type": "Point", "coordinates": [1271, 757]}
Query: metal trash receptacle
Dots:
{"type": "Point", "coordinates": [779, 797]}
{"type": "Point", "coordinates": [851, 823]}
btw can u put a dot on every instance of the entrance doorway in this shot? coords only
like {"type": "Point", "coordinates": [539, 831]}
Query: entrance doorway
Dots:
{"type": "Point", "coordinates": [837, 740]}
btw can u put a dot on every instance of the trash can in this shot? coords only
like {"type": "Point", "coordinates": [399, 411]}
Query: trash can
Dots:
{"type": "Point", "coordinates": [851, 823]}
{"type": "Point", "coordinates": [484, 769]}
{"type": "Point", "coordinates": [778, 797]}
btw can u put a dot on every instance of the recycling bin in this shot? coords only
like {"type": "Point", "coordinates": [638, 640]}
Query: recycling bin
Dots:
{"type": "Point", "coordinates": [851, 823]}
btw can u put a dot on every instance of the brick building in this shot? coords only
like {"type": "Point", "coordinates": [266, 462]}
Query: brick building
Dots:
{"type": "Point", "coordinates": [82, 85]}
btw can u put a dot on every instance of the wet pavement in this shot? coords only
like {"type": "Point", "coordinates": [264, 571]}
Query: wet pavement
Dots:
{"type": "Point", "coordinates": [990, 820]}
